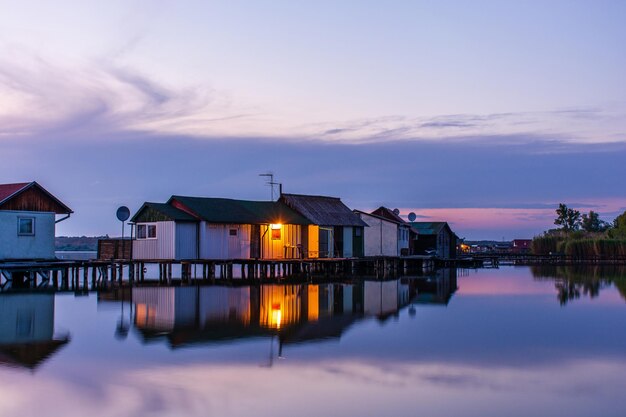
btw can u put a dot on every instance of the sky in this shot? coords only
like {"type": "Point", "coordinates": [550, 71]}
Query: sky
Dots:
{"type": "Point", "coordinates": [485, 114]}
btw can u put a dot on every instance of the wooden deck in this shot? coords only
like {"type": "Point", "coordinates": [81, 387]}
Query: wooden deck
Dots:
{"type": "Point", "coordinates": [85, 275]}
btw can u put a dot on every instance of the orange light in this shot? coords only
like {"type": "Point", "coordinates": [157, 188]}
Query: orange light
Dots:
{"type": "Point", "coordinates": [276, 226]}
{"type": "Point", "coordinates": [276, 315]}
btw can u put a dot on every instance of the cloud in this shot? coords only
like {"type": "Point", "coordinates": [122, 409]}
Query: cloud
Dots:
{"type": "Point", "coordinates": [42, 95]}
{"type": "Point", "coordinates": [42, 98]}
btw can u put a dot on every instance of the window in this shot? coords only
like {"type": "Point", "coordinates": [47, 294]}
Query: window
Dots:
{"type": "Point", "coordinates": [233, 232]}
{"type": "Point", "coordinates": [26, 226]}
{"type": "Point", "coordinates": [146, 231]}
{"type": "Point", "coordinates": [357, 232]}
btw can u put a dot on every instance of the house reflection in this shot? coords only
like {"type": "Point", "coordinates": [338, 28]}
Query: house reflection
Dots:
{"type": "Point", "coordinates": [295, 313]}
{"type": "Point", "coordinates": [27, 336]}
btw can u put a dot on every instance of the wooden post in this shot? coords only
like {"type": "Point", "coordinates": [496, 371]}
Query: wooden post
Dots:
{"type": "Point", "coordinates": [85, 277]}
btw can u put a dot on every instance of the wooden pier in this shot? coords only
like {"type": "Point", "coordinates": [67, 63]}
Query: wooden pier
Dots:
{"type": "Point", "coordinates": [80, 276]}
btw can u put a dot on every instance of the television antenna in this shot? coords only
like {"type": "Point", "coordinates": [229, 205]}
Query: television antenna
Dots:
{"type": "Point", "coordinates": [270, 182]}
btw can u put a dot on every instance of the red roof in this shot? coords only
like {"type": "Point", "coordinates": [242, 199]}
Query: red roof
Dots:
{"type": "Point", "coordinates": [7, 190]}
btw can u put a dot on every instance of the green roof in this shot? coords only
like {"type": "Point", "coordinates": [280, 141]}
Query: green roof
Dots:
{"type": "Point", "coordinates": [225, 210]}
{"type": "Point", "coordinates": [155, 212]}
{"type": "Point", "coordinates": [428, 228]}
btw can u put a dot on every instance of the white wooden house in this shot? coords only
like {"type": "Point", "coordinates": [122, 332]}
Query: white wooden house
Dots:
{"type": "Point", "coordinates": [28, 215]}
{"type": "Point", "coordinates": [217, 228]}
{"type": "Point", "coordinates": [404, 228]}
{"type": "Point", "coordinates": [387, 234]}
{"type": "Point", "coordinates": [381, 237]}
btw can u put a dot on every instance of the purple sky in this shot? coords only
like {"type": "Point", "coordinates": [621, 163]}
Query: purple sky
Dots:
{"type": "Point", "coordinates": [485, 115]}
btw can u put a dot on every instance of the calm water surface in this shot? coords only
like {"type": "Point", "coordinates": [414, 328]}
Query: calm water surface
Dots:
{"type": "Point", "coordinates": [509, 341]}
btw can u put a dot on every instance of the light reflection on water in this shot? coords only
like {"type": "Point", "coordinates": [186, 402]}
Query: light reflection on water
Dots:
{"type": "Point", "coordinates": [492, 342]}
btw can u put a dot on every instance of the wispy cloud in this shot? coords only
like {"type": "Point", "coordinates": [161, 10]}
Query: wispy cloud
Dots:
{"type": "Point", "coordinates": [41, 97]}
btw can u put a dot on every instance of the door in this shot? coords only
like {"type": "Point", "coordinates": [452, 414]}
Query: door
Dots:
{"type": "Point", "coordinates": [255, 241]}
{"type": "Point", "coordinates": [357, 242]}
{"type": "Point", "coordinates": [338, 240]}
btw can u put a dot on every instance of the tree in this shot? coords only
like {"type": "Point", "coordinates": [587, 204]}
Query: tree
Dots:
{"type": "Point", "coordinates": [591, 222]}
{"type": "Point", "coordinates": [619, 227]}
{"type": "Point", "coordinates": [567, 218]}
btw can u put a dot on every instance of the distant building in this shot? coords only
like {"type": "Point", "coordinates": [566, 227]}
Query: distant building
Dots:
{"type": "Point", "coordinates": [433, 238]}
{"type": "Point", "coordinates": [404, 229]}
{"type": "Point", "coordinates": [387, 234]}
{"type": "Point", "coordinates": [335, 231]}
{"type": "Point", "coordinates": [521, 245]}
{"type": "Point", "coordinates": [503, 247]}
{"type": "Point", "coordinates": [27, 221]}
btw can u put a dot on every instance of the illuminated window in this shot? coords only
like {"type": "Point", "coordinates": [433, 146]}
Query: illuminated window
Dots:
{"type": "Point", "coordinates": [26, 226]}
{"type": "Point", "coordinates": [276, 229]}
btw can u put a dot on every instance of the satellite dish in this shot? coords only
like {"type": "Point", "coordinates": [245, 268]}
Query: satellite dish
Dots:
{"type": "Point", "coordinates": [123, 213]}
{"type": "Point", "coordinates": [396, 212]}
{"type": "Point", "coordinates": [412, 217]}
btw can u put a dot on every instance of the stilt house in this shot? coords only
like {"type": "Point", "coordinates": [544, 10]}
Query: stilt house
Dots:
{"type": "Point", "coordinates": [334, 230]}
{"type": "Point", "coordinates": [437, 237]}
{"type": "Point", "coordinates": [217, 228]}
{"type": "Point", "coordinates": [27, 221]}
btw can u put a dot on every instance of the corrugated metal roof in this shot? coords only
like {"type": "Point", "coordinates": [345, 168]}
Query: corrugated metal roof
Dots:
{"type": "Point", "coordinates": [323, 211]}
{"type": "Point", "coordinates": [166, 210]}
{"type": "Point", "coordinates": [225, 210]}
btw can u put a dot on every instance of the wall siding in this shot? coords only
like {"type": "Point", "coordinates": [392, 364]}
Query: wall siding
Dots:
{"type": "Point", "coordinates": [163, 247]}
{"type": "Point", "coordinates": [381, 237]}
{"type": "Point", "coordinates": [403, 243]}
{"type": "Point", "coordinates": [216, 242]}
{"type": "Point", "coordinates": [39, 246]}
{"type": "Point", "coordinates": [275, 248]}
{"type": "Point", "coordinates": [186, 237]}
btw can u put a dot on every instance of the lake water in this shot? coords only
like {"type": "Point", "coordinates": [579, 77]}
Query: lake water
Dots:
{"type": "Point", "coordinates": [502, 342]}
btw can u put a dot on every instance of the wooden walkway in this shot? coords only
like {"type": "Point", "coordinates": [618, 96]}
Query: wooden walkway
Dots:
{"type": "Point", "coordinates": [80, 276]}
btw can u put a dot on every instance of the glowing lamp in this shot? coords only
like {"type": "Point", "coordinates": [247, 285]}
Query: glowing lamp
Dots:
{"type": "Point", "coordinates": [276, 315]}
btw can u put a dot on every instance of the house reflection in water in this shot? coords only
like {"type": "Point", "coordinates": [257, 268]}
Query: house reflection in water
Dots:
{"type": "Point", "coordinates": [437, 289]}
{"type": "Point", "coordinates": [295, 313]}
{"type": "Point", "coordinates": [27, 329]}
